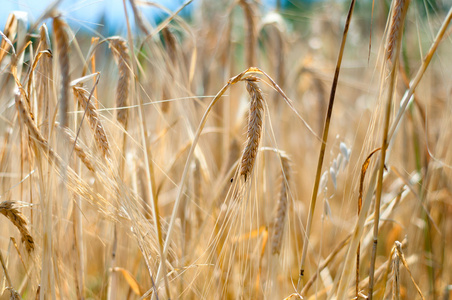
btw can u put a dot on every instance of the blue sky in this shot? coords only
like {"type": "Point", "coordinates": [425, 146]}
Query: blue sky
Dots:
{"type": "Point", "coordinates": [85, 13]}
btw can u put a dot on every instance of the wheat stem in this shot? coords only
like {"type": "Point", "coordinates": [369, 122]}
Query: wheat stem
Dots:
{"type": "Point", "coordinates": [323, 145]}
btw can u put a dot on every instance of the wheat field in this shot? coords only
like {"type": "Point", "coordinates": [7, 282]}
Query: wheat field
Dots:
{"type": "Point", "coordinates": [237, 153]}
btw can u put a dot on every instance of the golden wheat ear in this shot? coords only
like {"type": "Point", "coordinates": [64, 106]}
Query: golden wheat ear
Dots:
{"type": "Point", "coordinates": [399, 11]}
{"type": "Point", "coordinates": [84, 98]}
{"type": "Point", "coordinates": [255, 120]}
{"type": "Point", "coordinates": [121, 54]}
{"type": "Point", "coordinates": [9, 210]}
{"type": "Point", "coordinates": [281, 211]}
{"type": "Point", "coordinates": [62, 42]}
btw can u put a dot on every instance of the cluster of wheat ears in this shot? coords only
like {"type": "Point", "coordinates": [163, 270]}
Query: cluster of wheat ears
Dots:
{"type": "Point", "coordinates": [205, 159]}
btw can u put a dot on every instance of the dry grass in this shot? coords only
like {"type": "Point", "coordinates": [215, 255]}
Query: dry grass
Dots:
{"type": "Point", "coordinates": [162, 169]}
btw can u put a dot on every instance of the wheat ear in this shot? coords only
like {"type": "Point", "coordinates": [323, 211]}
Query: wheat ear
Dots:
{"type": "Point", "coordinates": [281, 211]}
{"type": "Point", "coordinates": [34, 132]}
{"type": "Point", "coordinates": [121, 54]}
{"type": "Point", "coordinates": [62, 43]}
{"type": "Point", "coordinates": [93, 119]}
{"type": "Point", "coordinates": [400, 8]}
{"type": "Point", "coordinates": [9, 210]}
{"type": "Point", "coordinates": [254, 126]}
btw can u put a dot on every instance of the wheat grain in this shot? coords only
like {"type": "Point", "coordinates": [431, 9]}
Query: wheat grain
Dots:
{"type": "Point", "coordinates": [9, 210]}
{"type": "Point", "coordinates": [254, 126]}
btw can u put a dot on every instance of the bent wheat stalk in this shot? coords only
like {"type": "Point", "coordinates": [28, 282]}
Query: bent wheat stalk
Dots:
{"type": "Point", "coordinates": [395, 39]}
{"type": "Point", "coordinates": [203, 121]}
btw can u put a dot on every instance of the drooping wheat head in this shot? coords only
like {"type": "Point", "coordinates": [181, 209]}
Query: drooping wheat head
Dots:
{"type": "Point", "coordinates": [255, 119]}
{"type": "Point", "coordinates": [82, 96]}
{"type": "Point", "coordinates": [33, 130]}
{"type": "Point", "coordinates": [9, 210]}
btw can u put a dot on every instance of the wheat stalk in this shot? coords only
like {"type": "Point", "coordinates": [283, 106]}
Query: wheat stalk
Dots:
{"type": "Point", "coordinates": [396, 28]}
{"type": "Point", "coordinates": [255, 120]}
{"type": "Point", "coordinates": [139, 17]}
{"type": "Point", "coordinates": [9, 210]}
{"type": "Point", "coordinates": [326, 129]}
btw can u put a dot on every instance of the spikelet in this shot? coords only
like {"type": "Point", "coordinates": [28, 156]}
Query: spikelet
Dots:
{"type": "Point", "coordinates": [121, 54]}
{"type": "Point", "coordinates": [254, 127]}
{"type": "Point", "coordinates": [281, 211]}
{"type": "Point", "coordinates": [62, 43]}
{"type": "Point", "coordinates": [9, 210]}
{"type": "Point", "coordinates": [100, 136]}
{"type": "Point", "coordinates": [399, 10]}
